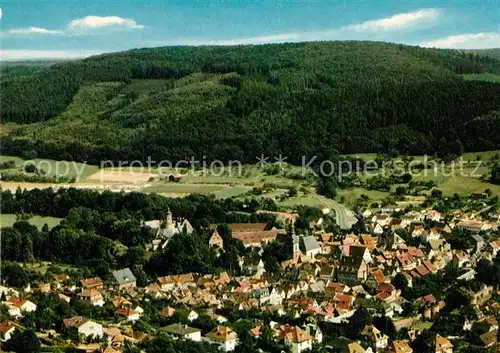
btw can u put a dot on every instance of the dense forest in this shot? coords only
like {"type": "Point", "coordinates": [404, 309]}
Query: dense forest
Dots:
{"type": "Point", "coordinates": [243, 101]}
{"type": "Point", "coordinates": [103, 231]}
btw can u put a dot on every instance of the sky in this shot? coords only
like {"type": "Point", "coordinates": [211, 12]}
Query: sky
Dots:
{"type": "Point", "coordinates": [48, 29]}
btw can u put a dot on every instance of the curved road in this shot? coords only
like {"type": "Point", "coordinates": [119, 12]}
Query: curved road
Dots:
{"type": "Point", "coordinates": [345, 217]}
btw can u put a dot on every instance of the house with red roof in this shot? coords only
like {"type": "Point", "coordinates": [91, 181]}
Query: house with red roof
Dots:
{"type": "Point", "coordinates": [7, 328]}
{"type": "Point", "coordinates": [92, 283]}
{"type": "Point", "coordinates": [129, 314]}
{"type": "Point", "coordinates": [17, 306]}
{"type": "Point", "coordinates": [376, 278]}
{"type": "Point", "coordinates": [299, 340]}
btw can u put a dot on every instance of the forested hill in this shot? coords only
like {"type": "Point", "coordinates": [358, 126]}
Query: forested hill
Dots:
{"type": "Point", "coordinates": [243, 101]}
{"type": "Point", "coordinates": [492, 53]}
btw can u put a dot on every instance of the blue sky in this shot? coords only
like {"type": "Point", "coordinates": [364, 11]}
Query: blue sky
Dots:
{"type": "Point", "coordinates": [68, 29]}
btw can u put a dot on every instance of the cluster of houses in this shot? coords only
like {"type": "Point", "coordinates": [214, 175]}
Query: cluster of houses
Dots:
{"type": "Point", "coordinates": [328, 277]}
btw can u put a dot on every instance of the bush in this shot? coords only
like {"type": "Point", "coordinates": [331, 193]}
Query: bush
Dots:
{"type": "Point", "coordinates": [7, 165]}
{"type": "Point", "coordinates": [273, 169]}
{"type": "Point", "coordinates": [436, 194]}
{"type": "Point", "coordinates": [401, 190]}
{"type": "Point", "coordinates": [30, 168]}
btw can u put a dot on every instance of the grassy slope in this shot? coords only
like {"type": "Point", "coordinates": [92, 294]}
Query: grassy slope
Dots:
{"type": "Point", "coordinates": [53, 168]}
{"type": "Point", "coordinates": [7, 220]}
{"type": "Point", "coordinates": [487, 77]}
{"type": "Point", "coordinates": [448, 181]}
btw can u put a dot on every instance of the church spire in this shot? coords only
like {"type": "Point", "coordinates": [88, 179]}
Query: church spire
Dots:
{"type": "Point", "coordinates": [296, 244]}
{"type": "Point", "coordinates": [169, 220]}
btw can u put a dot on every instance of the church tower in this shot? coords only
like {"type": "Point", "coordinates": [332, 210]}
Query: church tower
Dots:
{"type": "Point", "coordinates": [296, 245]}
{"type": "Point", "coordinates": [169, 221]}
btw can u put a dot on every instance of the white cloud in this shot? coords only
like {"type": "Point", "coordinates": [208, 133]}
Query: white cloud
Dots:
{"type": "Point", "coordinates": [33, 30]}
{"type": "Point", "coordinates": [29, 54]}
{"type": "Point", "coordinates": [99, 22]}
{"type": "Point", "coordinates": [397, 22]}
{"type": "Point", "coordinates": [352, 32]}
{"type": "Point", "coordinates": [466, 41]}
{"type": "Point", "coordinates": [80, 26]}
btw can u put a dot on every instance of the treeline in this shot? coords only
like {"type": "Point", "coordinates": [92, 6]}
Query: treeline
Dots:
{"type": "Point", "coordinates": [199, 209]}
{"type": "Point", "coordinates": [240, 102]}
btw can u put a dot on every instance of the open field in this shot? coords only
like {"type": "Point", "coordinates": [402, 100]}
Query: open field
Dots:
{"type": "Point", "coordinates": [239, 180]}
{"type": "Point", "coordinates": [182, 188]}
{"type": "Point", "coordinates": [120, 176]}
{"type": "Point", "coordinates": [43, 266]}
{"type": "Point", "coordinates": [54, 168]}
{"type": "Point", "coordinates": [465, 186]}
{"type": "Point", "coordinates": [14, 185]}
{"type": "Point", "coordinates": [70, 169]}
{"type": "Point", "coordinates": [484, 156]}
{"type": "Point", "coordinates": [231, 192]}
{"type": "Point", "coordinates": [351, 195]}
{"type": "Point", "coordinates": [7, 220]}
{"type": "Point", "coordinates": [462, 178]}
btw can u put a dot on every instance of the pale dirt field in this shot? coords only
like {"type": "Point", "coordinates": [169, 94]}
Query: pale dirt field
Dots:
{"type": "Point", "coordinates": [13, 185]}
{"type": "Point", "coordinates": [120, 176]}
{"type": "Point", "coordinates": [115, 187]}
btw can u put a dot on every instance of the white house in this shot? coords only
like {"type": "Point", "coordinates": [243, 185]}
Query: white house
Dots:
{"type": "Point", "coordinates": [183, 332]}
{"type": "Point", "coordinates": [377, 229]}
{"type": "Point", "coordinates": [432, 234]}
{"type": "Point", "coordinates": [357, 251]}
{"type": "Point", "coordinates": [311, 246]}
{"type": "Point", "coordinates": [84, 326]}
{"type": "Point", "coordinates": [93, 296]}
{"type": "Point", "coordinates": [315, 332]}
{"type": "Point", "coordinates": [218, 318]}
{"type": "Point", "coordinates": [17, 306]}
{"type": "Point", "coordinates": [276, 296]}
{"type": "Point", "coordinates": [495, 247]}
{"type": "Point", "coordinates": [379, 340]}
{"type": "Point", "coordinates": [298, 339]}
{"type": "Point", "coordinates": [382, 219]}
{"type": "Point", "coordinates": [8, 291]}
{"type": "Point", "coordinates": [193, 315]}
{"type": "Point", "coordinates": [224, 337]}
{"type": "Point", "coordinates": [129, 314]}
{"type": "Point", "coordinates": [7, 328]}
{"type": "Point", "coordinates": [418, 231]}
{"type": "Point", "coordinates": [433, 215]}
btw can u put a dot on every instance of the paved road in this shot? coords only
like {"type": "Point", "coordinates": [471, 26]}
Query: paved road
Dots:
{"type": "Point", "coordinates": [345, 217]}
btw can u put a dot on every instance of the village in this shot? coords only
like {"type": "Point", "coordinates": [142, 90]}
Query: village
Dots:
{"type": "Point", "coordinates": [379, 287]}
{"type": "Point", "coordinates": [249, 176]}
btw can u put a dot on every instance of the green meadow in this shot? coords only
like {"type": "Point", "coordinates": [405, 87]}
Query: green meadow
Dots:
{"type": "Point", "coordinates": [7, 220]}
